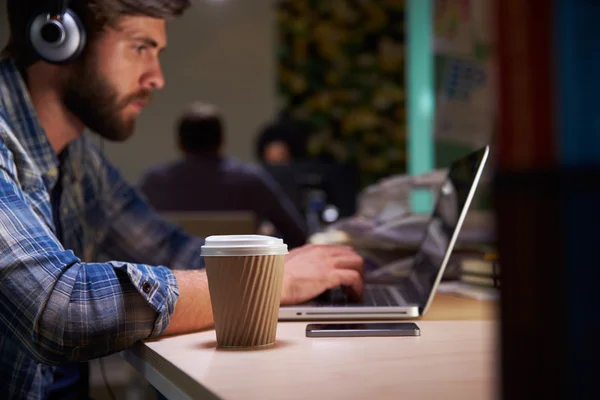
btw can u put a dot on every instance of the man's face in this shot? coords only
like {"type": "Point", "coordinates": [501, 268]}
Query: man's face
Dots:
{"type": "Point", "coordinates": [108, 88]}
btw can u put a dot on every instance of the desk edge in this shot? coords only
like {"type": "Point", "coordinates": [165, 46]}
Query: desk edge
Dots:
{"type": "Point", "coordinates": [168, 388]}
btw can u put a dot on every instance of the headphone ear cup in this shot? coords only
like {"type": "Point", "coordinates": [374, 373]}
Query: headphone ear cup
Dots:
{"type": "Point", "coordinates": [57, 41]}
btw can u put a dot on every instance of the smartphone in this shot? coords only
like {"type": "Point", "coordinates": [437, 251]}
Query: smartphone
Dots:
{"type": "Point", "coordinates": [363, 329]}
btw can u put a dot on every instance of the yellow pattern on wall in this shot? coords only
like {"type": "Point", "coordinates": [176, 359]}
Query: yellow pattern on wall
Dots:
{"type": "Point", "coordinates": [341, 74]}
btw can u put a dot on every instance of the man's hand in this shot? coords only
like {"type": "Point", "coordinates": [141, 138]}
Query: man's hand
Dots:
{"type": "Point", "coordinates": [311, 270]}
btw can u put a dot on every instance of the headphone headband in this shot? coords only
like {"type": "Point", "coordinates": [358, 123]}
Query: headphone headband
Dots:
{"type": "Point", "coordinates": [58, 7]}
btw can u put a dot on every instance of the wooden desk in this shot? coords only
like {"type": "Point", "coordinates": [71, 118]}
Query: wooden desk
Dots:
{"type": "Point", "coordinates": [451, 359]}
{"type": "Point", "coordinates": [446, 307]}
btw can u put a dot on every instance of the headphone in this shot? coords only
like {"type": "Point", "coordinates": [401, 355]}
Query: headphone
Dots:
{"type": "Point", "coordinates": [56, 35]}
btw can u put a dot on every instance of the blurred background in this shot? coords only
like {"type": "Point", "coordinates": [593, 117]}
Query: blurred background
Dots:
{"type": "Point", "coordinates": [337, 68]}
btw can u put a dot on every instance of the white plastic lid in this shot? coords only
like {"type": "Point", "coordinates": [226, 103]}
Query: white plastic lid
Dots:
{"type": "Point", "coordinates": [243, 245]}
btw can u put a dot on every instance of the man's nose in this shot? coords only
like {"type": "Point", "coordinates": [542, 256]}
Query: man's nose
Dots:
{"type": "Point", "coordinates": [154, 79]}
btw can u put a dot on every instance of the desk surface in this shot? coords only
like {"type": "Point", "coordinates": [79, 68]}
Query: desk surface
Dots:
{"type": "Point", "coordinates": [451, 359]}
{"type": "Point", "coordinates": [447, 307]}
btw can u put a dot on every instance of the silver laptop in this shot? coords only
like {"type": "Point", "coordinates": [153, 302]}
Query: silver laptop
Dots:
{"type": "Point", "coordinates": [408, 296]}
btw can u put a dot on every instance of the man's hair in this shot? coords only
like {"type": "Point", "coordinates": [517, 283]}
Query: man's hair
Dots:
{"type": "Point", "coordinates": [200, 129]}
{"type": "Point", "coordinates": [95, 15]}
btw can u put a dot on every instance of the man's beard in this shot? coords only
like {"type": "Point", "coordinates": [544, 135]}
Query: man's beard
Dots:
{"type": "Point", "coordinates": [91, 99]}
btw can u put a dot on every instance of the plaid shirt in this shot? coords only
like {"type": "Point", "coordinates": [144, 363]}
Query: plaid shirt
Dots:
{"type": "Point", "coordinates": [56, 304]}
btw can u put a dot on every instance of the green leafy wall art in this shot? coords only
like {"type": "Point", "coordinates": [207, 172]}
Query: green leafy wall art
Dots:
{"type": "Point", "coordinates": [341, 73]}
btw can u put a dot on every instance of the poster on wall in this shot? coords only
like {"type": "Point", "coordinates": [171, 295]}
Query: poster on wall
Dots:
{"type": "Point", "coordinates": [452, 26]}
{"type": "Point", "coordinates": [465, 72]}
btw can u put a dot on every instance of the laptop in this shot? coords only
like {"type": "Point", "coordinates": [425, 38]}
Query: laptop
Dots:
{"type": "Point", "coordinates": [410, 295]}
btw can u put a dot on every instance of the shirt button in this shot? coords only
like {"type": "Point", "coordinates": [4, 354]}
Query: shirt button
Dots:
{"type": "Point", "coordinates": [146, 287]}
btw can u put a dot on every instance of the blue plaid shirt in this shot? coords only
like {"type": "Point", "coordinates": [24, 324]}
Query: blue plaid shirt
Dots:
{"type": "Point", "coordinates": [56, 304]}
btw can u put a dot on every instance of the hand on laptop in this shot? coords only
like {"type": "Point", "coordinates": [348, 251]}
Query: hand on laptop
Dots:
{"type": "Point", "coordinates": [311, 270]}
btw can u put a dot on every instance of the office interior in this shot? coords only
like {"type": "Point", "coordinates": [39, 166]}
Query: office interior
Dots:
{"type": "Point", "coordinates": [423, 83]}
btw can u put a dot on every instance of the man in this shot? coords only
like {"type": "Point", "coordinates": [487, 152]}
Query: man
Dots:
{"type": "Point", "coordinates": [206, 180]}
{"type": "Point", "coordinates": [62, 203]}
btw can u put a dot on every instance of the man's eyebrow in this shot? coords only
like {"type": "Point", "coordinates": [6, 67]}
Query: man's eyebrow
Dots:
{"type": "Point", "coordinates": [148, 41]}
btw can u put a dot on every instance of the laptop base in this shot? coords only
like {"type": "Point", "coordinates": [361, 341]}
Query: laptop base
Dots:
{"type": "Point", "coordinates": [300, 313]}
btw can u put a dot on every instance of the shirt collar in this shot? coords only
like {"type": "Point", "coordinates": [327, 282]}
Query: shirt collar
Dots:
{"type": "Point", "coordinates": [22, 118]}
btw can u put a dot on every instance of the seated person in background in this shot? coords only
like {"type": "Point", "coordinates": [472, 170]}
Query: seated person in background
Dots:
{"type": "Point", "coordinates": [281, 148]}
{"type": "Point", "coordinates": [280, 143]}
{"type": "Point", "coordinates": [206, 180]}
{"type": "Point", "coordinates": [278, 147]}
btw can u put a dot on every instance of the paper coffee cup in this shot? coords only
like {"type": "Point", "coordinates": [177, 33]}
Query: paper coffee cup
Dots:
{"type": "Point", "coordinates": [245, 275]}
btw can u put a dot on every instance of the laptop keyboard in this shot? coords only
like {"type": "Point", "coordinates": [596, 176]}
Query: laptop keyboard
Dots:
{"type": "Point", "coordinates": [372, 296]}
{"type": "Point", "coordinates": [378, 296]}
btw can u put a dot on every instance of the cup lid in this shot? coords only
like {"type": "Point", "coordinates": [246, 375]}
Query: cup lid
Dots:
{"type": "Point", "coordinates": [243, 245]}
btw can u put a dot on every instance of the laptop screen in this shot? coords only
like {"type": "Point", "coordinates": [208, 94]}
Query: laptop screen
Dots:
{"type": "Point", "coordinates": [453, 201]}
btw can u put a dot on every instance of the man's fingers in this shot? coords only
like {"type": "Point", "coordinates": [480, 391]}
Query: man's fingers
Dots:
{"type": "Point", "coordinates": [338, 249]}
{"type": "Point", "coordinates": [352, 282]}
{"type": "Point", "coordinates": [350, 261]}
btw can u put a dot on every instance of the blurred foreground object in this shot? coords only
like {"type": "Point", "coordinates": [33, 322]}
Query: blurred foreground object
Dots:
{"type": "Point", "coordinates": [547, 196]}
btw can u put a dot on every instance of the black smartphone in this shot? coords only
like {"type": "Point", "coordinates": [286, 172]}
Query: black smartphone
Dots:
{"type": "Point", "coordinates": [363, 329]}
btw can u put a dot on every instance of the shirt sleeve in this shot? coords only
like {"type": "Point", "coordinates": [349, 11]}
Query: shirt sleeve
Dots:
{"type": "Point", "coordinates": [60, 309]}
